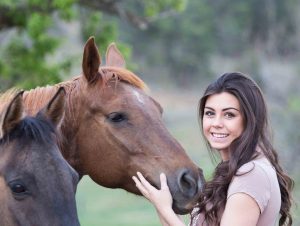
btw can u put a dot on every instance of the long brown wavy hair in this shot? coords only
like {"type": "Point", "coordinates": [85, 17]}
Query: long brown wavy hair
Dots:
{"type": "Point", "coordinates": [256, 134]}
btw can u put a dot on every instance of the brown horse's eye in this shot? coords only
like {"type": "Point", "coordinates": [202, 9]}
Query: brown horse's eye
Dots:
{"type": "Point", "coordinates": [116, 117]}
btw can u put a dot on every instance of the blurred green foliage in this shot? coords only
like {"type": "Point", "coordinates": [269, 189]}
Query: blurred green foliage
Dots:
{"type": "Point", "coordinates": [28, 26]}
{"type": "Point", "coordinates": [230, 28]}
{"type": "Point", "coordinates": [24, 56]}
{"type": "Point", "coordinates": [182, 33]}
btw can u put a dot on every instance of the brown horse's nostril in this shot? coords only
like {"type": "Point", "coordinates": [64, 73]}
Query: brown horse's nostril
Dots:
{"type": "Point", "coordinates": [188, 184]}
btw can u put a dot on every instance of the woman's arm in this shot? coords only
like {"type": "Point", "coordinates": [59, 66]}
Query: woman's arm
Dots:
{"type": "Point", "coordinates": [240, 209]}
{"type": "Point", "coordinates": [161, 199]}
{"type": "Point", "coordinates": [162, 220]}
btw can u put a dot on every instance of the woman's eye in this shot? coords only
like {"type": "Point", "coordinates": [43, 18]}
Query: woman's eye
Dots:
{"type": "Point", "coordinates": [229, 115]}
{"type": "Point", "coordinates": [116, 117]}
{"type": "Point", "coordinates": [209, 113]}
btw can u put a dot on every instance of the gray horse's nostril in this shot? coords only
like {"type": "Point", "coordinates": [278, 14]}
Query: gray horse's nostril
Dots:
{"type": "Point", "coordinates": [187, 183]}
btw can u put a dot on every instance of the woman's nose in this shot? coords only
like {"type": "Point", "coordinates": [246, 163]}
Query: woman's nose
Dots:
{"type": "Point", "coordinates": [217, 122]}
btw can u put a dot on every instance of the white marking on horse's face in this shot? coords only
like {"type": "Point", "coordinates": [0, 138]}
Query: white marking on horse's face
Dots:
{"type": "Point", "coordinates": [138, 96]}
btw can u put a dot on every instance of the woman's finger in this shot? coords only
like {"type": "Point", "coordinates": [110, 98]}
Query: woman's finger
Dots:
{"type": "Point", "coordinates": [140, 186]}
{"type": "Point", "coordinates": [145, 183]}
{"type": "Point", "coordinates": [163, 182]}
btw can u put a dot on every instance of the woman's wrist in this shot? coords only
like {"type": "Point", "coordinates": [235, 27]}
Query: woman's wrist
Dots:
{"type": "Point", "coordinates": [166, 210]}
{"type": "Point", "coordinates": [169, 216]}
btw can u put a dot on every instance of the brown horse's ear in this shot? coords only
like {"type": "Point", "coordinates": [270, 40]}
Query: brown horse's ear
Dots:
{"type": "Point", "coordinates": [12, 115]}
{"type": "Point", "coordinates": [91, 60]}
{"type": "Point", "coordinates": [54, 110]}
{"type": "Point", "coordinates": [114, 57]}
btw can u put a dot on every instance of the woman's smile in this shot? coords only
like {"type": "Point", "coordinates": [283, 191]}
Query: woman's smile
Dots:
{"type": "Point", "coordinates": [219, 135]}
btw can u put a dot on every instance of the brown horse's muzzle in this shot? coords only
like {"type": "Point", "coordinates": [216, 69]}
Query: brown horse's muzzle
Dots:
{"type": "Point", "coordinates": [186, 188]}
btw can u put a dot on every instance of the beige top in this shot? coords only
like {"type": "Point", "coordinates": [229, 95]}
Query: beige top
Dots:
{"type": "Point", "coordinates": [257, 179]}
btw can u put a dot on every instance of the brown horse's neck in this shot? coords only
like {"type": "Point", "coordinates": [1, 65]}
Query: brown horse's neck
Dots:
{"type": "Point", "coordinates": [36, 99]}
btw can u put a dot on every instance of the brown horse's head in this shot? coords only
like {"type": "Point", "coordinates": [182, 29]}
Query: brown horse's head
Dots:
{"type": "Point", "coordinates": [37, 185]}
{"type": "Point", "coordinates": [119, 131]}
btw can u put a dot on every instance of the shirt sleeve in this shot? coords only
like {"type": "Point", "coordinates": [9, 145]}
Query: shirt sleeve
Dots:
{"type": "Point", "coordinates": [252, 180]}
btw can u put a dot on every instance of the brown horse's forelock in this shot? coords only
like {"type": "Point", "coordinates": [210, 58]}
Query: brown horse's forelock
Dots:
{"type": "Point", "coordinates": [121, 74]}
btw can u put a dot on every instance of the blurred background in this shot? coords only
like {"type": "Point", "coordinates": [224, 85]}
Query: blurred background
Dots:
{"type": "Point", "coordinates": [177, 47]}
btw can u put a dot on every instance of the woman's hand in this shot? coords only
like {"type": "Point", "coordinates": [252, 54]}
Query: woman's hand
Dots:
{"type": "Point", "coordinates": [161, 199]}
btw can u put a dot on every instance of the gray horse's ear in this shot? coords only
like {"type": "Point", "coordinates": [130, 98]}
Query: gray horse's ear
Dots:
{"type": "Point", "coordinates": [91, 60]}
{"type": "Point", "coordinates": [12, 115]}
{"type": "Point", "coordinates": [54, 110]}
{"type": "Point", "coordinates": [114, 57]}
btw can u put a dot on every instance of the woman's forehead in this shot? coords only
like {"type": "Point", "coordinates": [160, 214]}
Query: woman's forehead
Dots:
{"type": "Point", "coordinates": [222, 100]}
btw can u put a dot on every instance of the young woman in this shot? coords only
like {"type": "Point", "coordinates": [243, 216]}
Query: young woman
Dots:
{"type": "Point", "coordinates": [248, 186]}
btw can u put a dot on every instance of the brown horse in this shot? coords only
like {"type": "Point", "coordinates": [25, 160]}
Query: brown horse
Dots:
{"type": "Point", "coordinates": [37, 185]}
{"type": "Point", "coordinates": [112, 129]}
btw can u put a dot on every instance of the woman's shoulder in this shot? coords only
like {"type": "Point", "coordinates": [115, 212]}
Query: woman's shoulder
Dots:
{"type": "Point", "coordinates": [252, 175]}
{"type": "Point", "coordinates": [255, 179]}
{"type": "Point", "coordinates": [257, 167]}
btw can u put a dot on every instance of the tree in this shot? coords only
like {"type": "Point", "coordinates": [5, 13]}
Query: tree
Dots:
{"type": "Point", "coordinates": [27, 42]}
{"type": "Point", "coordinates": [182, 45]}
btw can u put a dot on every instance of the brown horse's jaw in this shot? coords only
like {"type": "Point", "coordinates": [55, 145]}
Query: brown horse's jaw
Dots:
{"type": "Point", "coordinates": [182, 210]}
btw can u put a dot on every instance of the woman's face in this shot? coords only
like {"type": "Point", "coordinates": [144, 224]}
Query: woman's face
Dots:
{"type": "Point", "coordinates": [222, 122]}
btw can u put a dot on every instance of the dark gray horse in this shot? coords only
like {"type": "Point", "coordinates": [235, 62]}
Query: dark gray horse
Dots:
{"type": "Point", "coordinates": [37, 185]}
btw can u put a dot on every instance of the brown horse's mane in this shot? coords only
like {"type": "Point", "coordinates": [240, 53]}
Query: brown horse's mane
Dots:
{"type": "Point", "coordinates": [35, 99]}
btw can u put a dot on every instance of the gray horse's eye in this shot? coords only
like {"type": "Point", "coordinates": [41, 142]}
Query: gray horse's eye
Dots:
{"type": "Point", "coordinates": [18, 188]}
{"type": "Point", "coordinates": [117, 117]}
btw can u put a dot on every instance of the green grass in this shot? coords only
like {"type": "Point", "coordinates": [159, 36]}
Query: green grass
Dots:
{"type": "Point", "coordinates": [102, 206]}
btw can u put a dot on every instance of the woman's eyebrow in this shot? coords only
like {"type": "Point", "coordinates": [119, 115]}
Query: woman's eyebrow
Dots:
{"type": "Point", "coordinates": [230, 108]}
{"type": "Point", "coordinates": [225, 109]}
{"type": "Point", "coordinates": [210, 108]}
